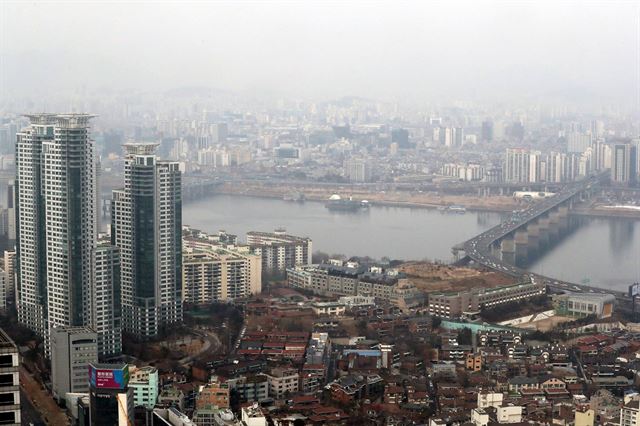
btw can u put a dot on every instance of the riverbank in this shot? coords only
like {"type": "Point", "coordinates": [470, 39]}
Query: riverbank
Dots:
{"type": "Point", "coordinates": [605, 212]}
{"type": "Point", "coordinates": [499, 204]}
{"type": "Point", "coordinates": [380, 198]}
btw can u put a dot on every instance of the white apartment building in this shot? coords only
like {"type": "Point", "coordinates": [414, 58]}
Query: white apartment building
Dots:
{"type": "Point", "coordinates": [279, 250]}
{"type": "Point", "coordinates": [106, 316]}
{"type": "Point", "coordinates": [56, 221]}
{"type": "Point", "coordinates": [282, 382]}
{"type": "Point", "coordinates": [214, 272]}
{"type": "Point", "coordinates": [630, 413]}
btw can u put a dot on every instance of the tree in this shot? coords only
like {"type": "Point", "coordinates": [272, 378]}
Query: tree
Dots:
{"type": "Point", "coordinates": [319, 257]}
{"type": "Point", "coordinates": [465, 336]}
{"type": "Point", "coordinates": [361, 327]}
{"type": "Point", "coordinates": [435, 322]}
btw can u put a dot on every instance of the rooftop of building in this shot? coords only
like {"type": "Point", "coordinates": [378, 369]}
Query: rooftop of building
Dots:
{"type": "Point", "coordinates": [6, 343]}
{"type": "Point", "coordinates": [109, 366]}
{"type": "Point", "coordinates": [279, 234]}
{"type": "Point", "coordinates": [141, 374]}
{"type": "Point", "coordinates": [479, 290]}
{"type": "Point", "coordinates": [141, 148]}
{"type": "Point", "coordinates": [253, 411]}
{"type": "Point", "coordinates": [73, 329]}
{"type": "Point", "coordinates": [64, 119]}
{"type": "Point", "coordinates": [587, 297]}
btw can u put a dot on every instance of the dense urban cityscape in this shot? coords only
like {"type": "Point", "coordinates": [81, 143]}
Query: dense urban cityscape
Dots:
{"type": "Point", "coordinates": [194, 256]}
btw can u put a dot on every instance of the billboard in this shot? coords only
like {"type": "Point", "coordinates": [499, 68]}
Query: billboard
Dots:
{"type": "Point", "coordinates": [105, 377]}
{"type": "Point", "coordinates": [634, 289]}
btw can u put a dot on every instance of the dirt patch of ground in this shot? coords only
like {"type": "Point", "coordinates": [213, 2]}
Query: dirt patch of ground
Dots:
{"type": "Point", "coordinates": [546, 324]}
{"type": "Point", "coordinates": [433, 277]}
{"type": "Point", "coordinates": [46, 406]}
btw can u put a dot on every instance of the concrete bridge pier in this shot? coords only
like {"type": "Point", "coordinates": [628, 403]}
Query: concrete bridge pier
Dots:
{"type": "Point", "coordinates": [508, 250]}
{"type": "Point", "coordinates": [495, 249]}
{"type": "Point", "coordinates": [521, 239]}
{"type": "Point", "coordinates": [563, 217]}
{"type": "Point", "coordinates": [554, 224]}
{"type": "Point", "coordinates": [533, 235]}
{"type": "Point", "coordinates": [544, 223]}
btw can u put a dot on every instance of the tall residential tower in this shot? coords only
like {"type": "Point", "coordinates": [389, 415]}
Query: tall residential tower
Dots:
{"type": "Point", "coordinates": [56, 221]}
{"type": "Point", "coordinates": [147, 228]}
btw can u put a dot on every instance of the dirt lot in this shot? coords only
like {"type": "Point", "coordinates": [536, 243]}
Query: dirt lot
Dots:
{"type": "Point", "coordinates": [431, 277]}
{"type": "Point", "coordinates": [546, 324]}
{"type": "Point", "coordinates": [46, 406]}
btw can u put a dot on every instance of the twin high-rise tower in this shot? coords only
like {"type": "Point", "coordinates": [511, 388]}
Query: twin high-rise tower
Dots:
{"type": "Point", "coordinates": [56, 221]}
{"type": "Point", "coordinates": [64, 277]}
{"type": "Point", "coordinates": [147, 227]}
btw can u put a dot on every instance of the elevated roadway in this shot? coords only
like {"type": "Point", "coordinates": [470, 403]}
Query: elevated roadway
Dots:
{"type": "Point", "coordinates": [479, 248]}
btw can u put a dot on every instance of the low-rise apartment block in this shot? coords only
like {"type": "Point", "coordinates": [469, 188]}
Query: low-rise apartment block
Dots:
{"type": "Point", "coordinates": [454, 305]}
{"type": "Point", "coordinates": [355, 280]}
{"type": "Point", "coordinates": [279, 250]}
{"type": "Point", "coordinates": [212, 271]}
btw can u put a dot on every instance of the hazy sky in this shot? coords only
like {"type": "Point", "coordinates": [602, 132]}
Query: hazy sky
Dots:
{"type": "Point", "coordinates": [329, 48]}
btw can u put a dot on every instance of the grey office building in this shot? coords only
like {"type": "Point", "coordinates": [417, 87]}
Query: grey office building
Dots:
{"type": "Point", "coordinates": [72, 350]}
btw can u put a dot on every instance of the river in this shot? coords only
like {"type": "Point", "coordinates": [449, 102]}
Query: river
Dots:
{"type": "Point", "coordinates": [603, 252]}
{"type": "Point", "coordinates": [395, 232]}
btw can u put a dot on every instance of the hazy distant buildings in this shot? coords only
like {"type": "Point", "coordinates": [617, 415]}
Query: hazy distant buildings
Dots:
{"type": "Point", "coordinates": [401, 137]}
{"type": "Point", "coordinates": [529, 166]}
{"type": "Point", "coordinates": [465, 172]}
{"type": "Point", "coordinates": [446, 136]}
{"type": "Point", "coordinates": [287, 152]}
{"type": "Point", "coordinates": [517, 165]}
{"type": "Point", "coordinates": [486, 133]}
{"type": "Point", "coordinates": [601, 155]}
{"type": "Point", "coordinates": [457, 137]}
{"type": "Point", "coordinates": [56, 221]}
{"type": "Point", "coordinates": [147, 228]}
{"type": "Point", "coordinates": [578, 142]}
{"type": "Point", "coordinates": [624, 163]}
{"type": "Point", "coordinates": [357, 170]}
{"type": "Point", "coordinates": [516, 131]}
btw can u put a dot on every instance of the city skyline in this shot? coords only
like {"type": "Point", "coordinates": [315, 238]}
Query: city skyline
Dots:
{"type": "Point", "coordinates": [346, 213]}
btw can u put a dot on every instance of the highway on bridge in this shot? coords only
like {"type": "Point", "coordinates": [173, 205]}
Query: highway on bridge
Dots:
{"type": "Point", "coordinates": [478, 248]}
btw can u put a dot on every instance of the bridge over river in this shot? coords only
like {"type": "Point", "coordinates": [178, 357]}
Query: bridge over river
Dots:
{"type": "Point", "coordinates": [530, 228]}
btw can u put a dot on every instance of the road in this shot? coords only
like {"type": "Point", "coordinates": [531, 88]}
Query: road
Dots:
{"type": "Point", "coordinates": [479, 248]}
{"type": "Point", "coordinates": [40, 400]}
{"type": "Point", "coordinates": [211, 342]}
{"type": "Point", "coordinates": [28, 413]}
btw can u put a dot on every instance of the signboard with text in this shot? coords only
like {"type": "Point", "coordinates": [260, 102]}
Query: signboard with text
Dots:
{"type": "Point", "coordinates": [109, 378]}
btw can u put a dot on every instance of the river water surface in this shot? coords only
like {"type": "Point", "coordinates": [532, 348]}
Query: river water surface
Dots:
{"type": "Point", "coordinates": [603, 252]}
